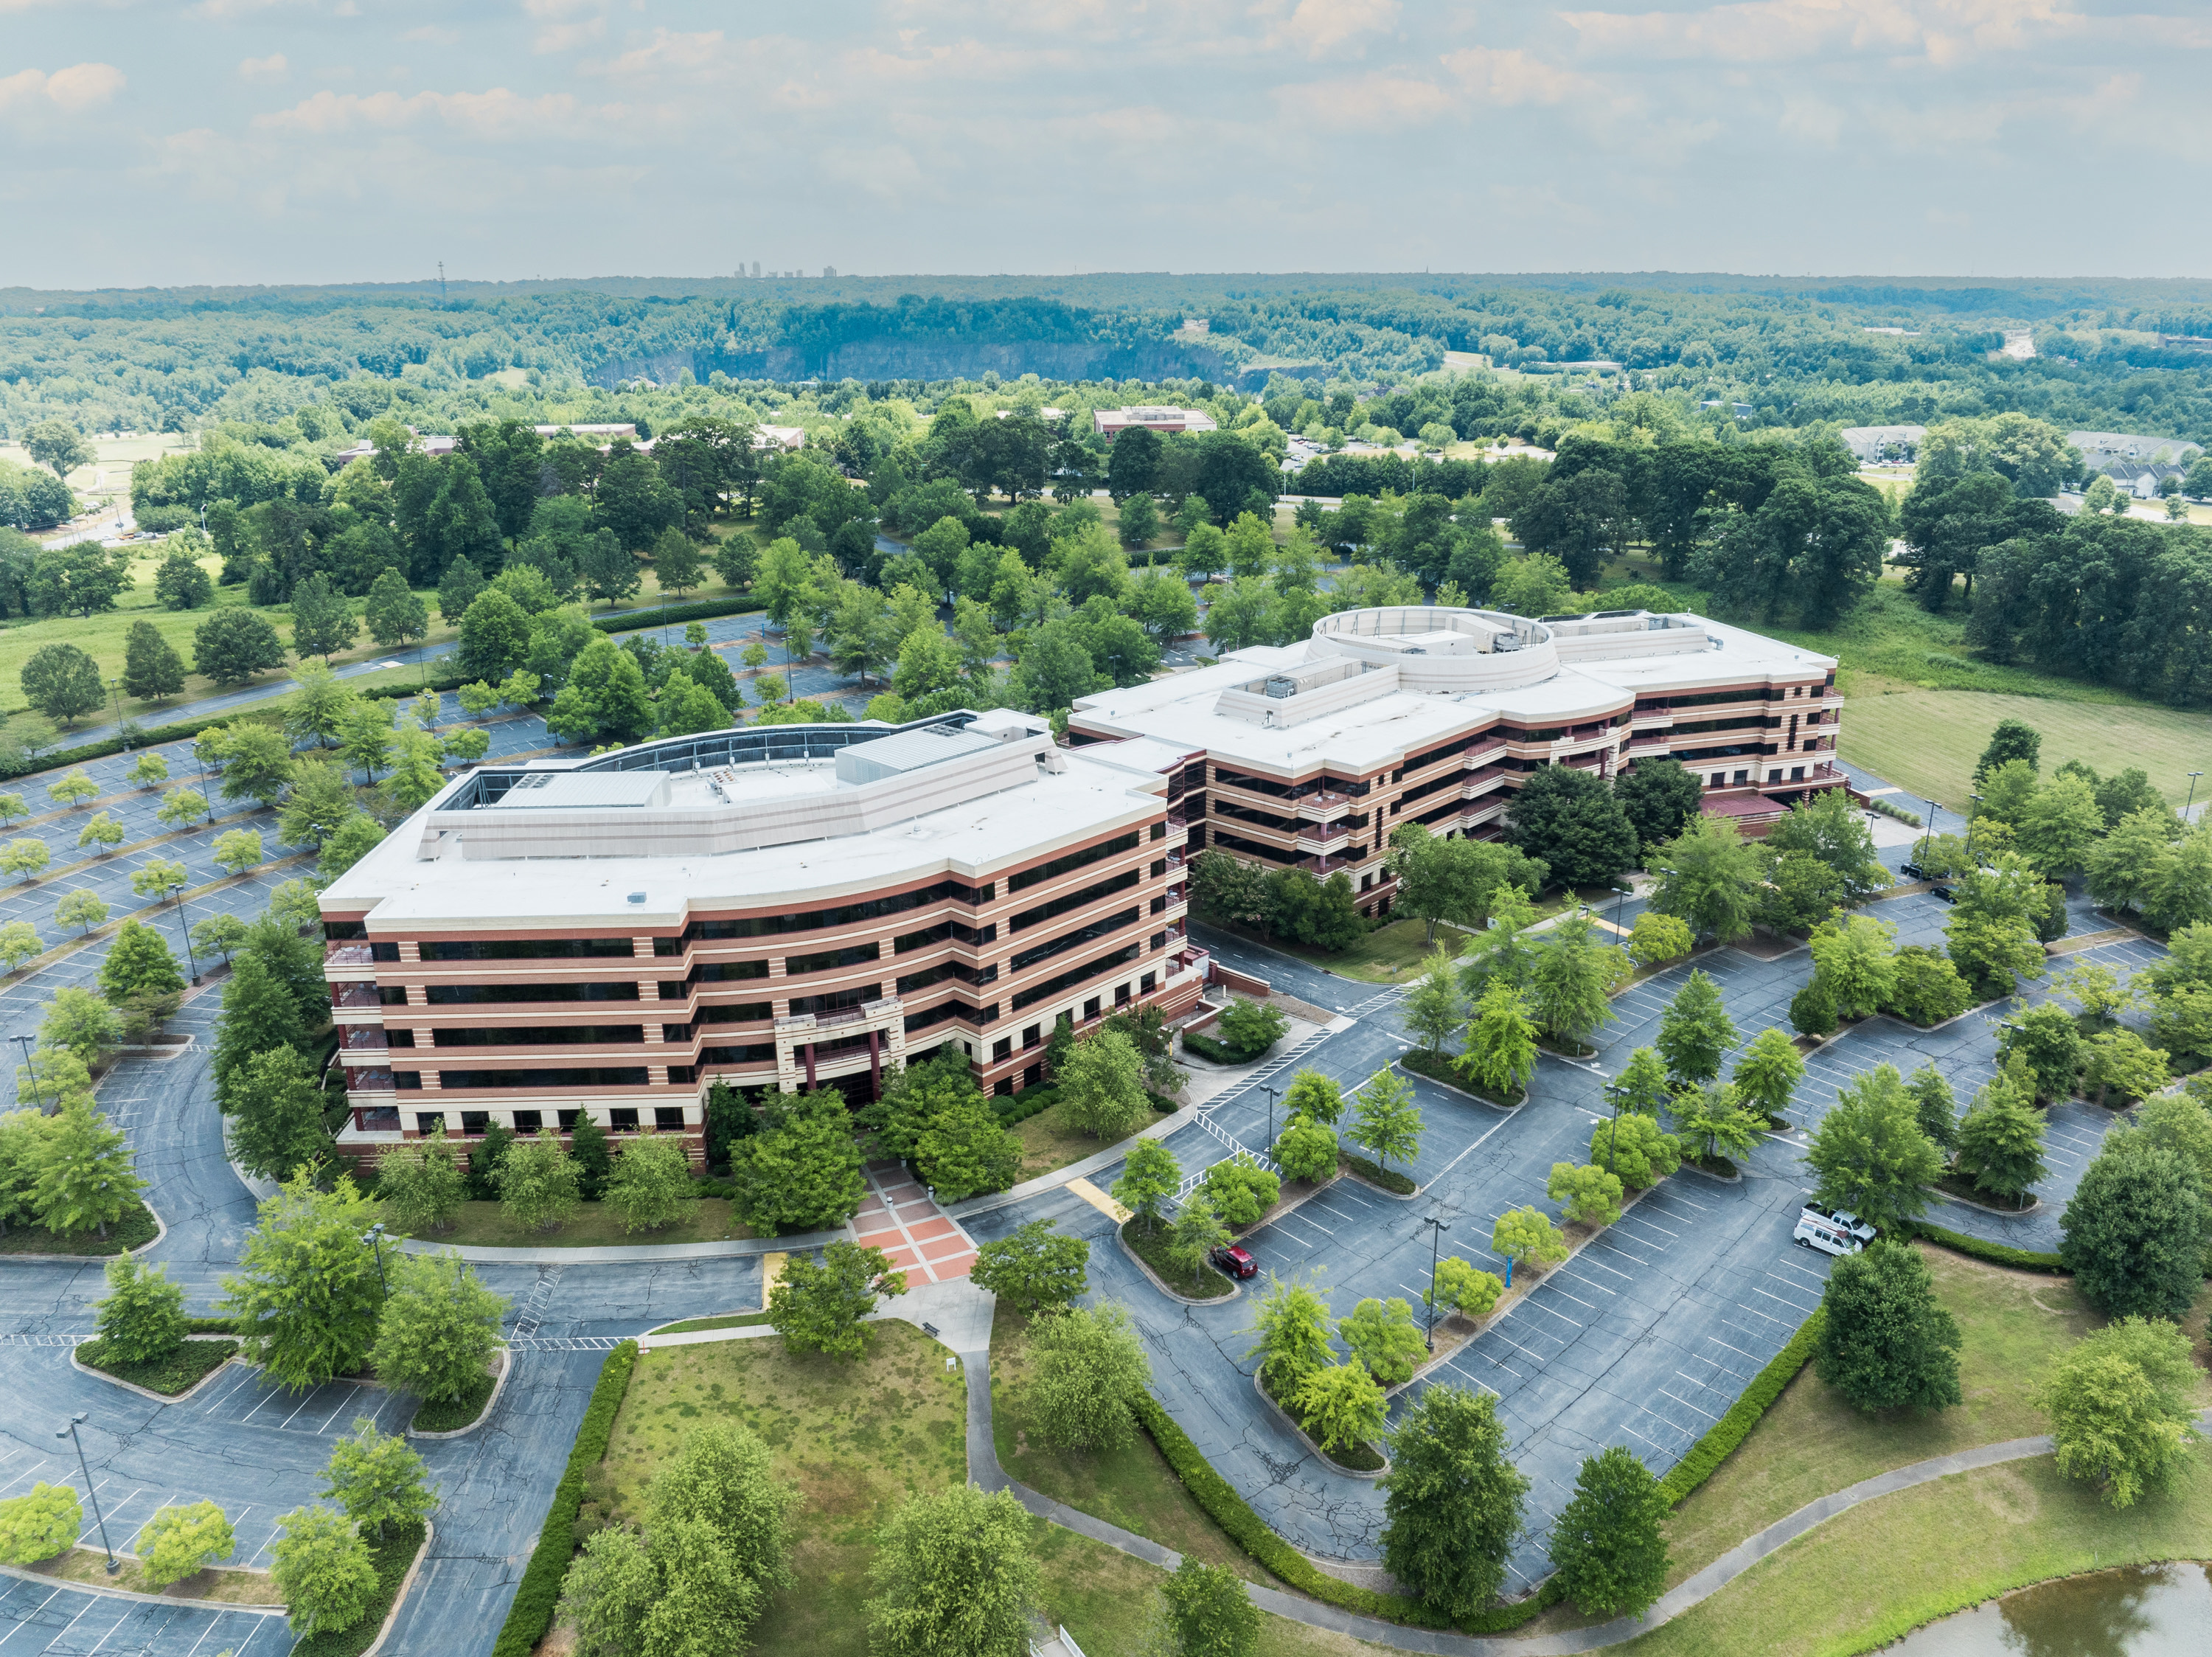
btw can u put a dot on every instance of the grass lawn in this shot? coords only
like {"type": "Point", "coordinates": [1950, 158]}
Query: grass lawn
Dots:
{"type": "Point", "coordinates": [1867, 1577]}
{"type": "Point", "coordinates": [595, 1225]}
{"type": "Point", "coordinates": [1133, 1487]}
{"type": "Point", "coordinates": [856, 1438]}
{"type": "Point", "coordinates": [134, 1230]}
{"type": "Point", "coordinates": [1151, 1247]}
{"type": "Point", "coordinates": [1050, 1140]}
{"type": "Point", "coordinates": [1927, 742]}
{"type": "Point", "coordinates": [179, 1371]}
{"type": "Point", "coordinates": [699, 1326]}
{"type": "Point", "coordinates": [232, 1587]}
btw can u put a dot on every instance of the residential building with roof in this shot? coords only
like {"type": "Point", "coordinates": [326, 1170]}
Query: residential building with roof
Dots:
{"type": "Point", "coordinates": [779, 907]}
{"type": "Point", "coordinates": [1308, 755]}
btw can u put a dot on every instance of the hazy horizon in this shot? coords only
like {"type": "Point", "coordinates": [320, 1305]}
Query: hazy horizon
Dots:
{"type": "Point", "coordinates": [320, 141]}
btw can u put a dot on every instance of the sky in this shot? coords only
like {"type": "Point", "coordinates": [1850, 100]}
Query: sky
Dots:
{"type": "Point", "coordinates": [148, 142]}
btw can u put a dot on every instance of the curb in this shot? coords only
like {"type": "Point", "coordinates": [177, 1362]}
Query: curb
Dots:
{"type": "Point", "coordinates": [1401, 1066]}
{"type": "Point", "coordinates": [147, 1391]}
{"type": "Point", "coordinates": [506, 1368]}
{"type": "Point", "coordinates": [160, 1230]}
{"type": "Point", "coordinates": [1160, 1284]}
{"type": "Point", "coordinates": [1327, 1461]}
{"type": "Point", "coordinates": [1357, 1178]}
{"type": "Point", "coordinates": [1942, 1195]}
{"type": "Point", "coordinates": [429, 1535]}
{"type": "Point", "coordinates": [1688, 1166]}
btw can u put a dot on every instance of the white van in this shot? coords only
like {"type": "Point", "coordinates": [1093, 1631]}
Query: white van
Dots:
{"type": "Point", "coordinates": [1832, 1231]}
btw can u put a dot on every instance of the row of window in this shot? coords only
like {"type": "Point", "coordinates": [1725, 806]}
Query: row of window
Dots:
{"type": "Point", "coordinates": [623, 1118]}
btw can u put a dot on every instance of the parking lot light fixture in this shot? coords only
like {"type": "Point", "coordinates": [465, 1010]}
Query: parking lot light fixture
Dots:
{"type": "Point", "coordinates": [91, 1495]}
{"type": "Point", "coordinates": [1273, 1093]}
{"type": "Point", "coordinates": [1622, 895]}
{"type": "Point", "coordinates": [37, 1092]}
{"type": "Point", "coordinates": [1971, 863]}
{"type": "Point", "coordinates": [1438, 1228]}
{"type": "Point", "coordinates": [2193, 775]}
{"type": "Point", "coordinates": [374, 1238]}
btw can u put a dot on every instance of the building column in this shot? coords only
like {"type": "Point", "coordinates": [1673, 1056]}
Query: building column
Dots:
{"type": "Point", "coordinates": [876, 1059]}
{"type": "Point", "coordinates": [810, 1067]}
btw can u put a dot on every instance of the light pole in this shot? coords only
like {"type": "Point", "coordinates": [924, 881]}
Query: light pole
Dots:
{"type": "Point", "coordinates": [91, 1495]}
{"type": "Point", "coordinates": [1928, 840]}
{"type": "Point", "coordinates": [1613, 1091]}
{"type": "Point", "coordinates": [207, 798]}
{"type": "Point", "coordinates": [185, 932]}
{"type": "Point", "coordinates": [1623, 894]}
{"type": "Point", "coordinates": [1272, 1094]}
{"type": "Point", "coordinates": [374, 1238]}
{"type": "Point", "coordinates": [37, 1092]}
{"type": "Point", "coordinates": [115, 701]}
{"type": "Point", "coordinates": [2193, 775]}
{"type": "Point", "coordinates": [1438, 1228]}
{"type": "Point", "coordinates": [1971, 863]}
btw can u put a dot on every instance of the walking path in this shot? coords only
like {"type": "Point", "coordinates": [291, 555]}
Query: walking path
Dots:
{"type": "Point", "coordinates": [902, 1219]}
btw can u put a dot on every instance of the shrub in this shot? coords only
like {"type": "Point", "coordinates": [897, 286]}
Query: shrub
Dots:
{"type": "Point", "coordinates": [1242, 1190]}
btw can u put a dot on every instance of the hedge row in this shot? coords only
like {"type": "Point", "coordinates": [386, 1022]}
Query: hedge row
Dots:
{"type": "Point", "coordinates": [212, 1326]}
{"type": "Point", "coordinates": [1377, 1175]}
{"type": "Point", "coordinates": [2001, 1254]}
{"type": "Point", "coordinates": [1438, 1067]}
{"type": "Point", "coordinates": [1732, 1428]}
{"type": "Point", "coordinates": [629, 621]}
{"type": "Point", "coordinates": [1249, 1532]}
{"type": "Point", "coordinates": [536, 1600]}
{"type": "Point", "coordinates": [1021, 1107]}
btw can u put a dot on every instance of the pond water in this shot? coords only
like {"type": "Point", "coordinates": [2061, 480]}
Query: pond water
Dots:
{"type": "Point", "coordinates": [2141, 1610]}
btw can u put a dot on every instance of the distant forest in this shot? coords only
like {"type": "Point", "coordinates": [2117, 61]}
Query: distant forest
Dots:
{"type": "Point", "coordinates": [2127, 355]}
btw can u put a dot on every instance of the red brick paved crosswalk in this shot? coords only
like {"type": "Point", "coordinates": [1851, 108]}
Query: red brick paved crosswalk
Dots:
{"type": "Point", "coordinates": [921, 1240]}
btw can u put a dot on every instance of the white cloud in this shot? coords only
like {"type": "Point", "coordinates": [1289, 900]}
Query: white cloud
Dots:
{"type": "Point", "coordinates": [495, 116]}
{"type": "Point", "coordinates": [80, 87]}
{"type": "Point", "coordinates": [1774, 30]}
{"type": "Point", "coordinates": [1324, 29]}
{"type": "Point", "coordinates": [1513, 77]}
{"type": "Point", "coordinates": [272, 68]}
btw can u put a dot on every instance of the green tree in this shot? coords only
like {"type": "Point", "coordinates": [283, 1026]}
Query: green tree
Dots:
{"type": "Point", "coordinates": [588, 1146]}
{"type": "Point", "coordinates": [1933, 1107]}
{"type": "Point", "coordinates": [376, 1480]}
{"type": "Point", "coordinates": [1103, 1086]}
{"type": "Point", "coordinates": [1870, 1155]}
{"type": "Point", "coordinates": [1830, 828]}
{"type": "Point", "coordinates": [1340, 1405]}
{"type": "Point", "coordinates": [1661, 797]}
{"type": "Point", "coordinates": [1570, 974]}
{"type": "Point", "coordinates": [1500, 1051]}
{"type": "Point", "coordinates": [1382, 1335]}
{"type": "Point", "coordinates": [1086, 1367]}
{"type": "Point", "coordinates": [257, 765]}
{"type": "Point", "coordinates": [1305, 1150]}
{"type": "Point", "coordinates": [1571, 821]}
{"type": "Point", "coordinates": [178, 1541]}
{"type": "Point", "coordinates": [2000, 1141]}
{"type": "Point", "coordinates": [2119, 1061]}
{"type": "Point", "coordinates": [1709, 876]}
{"type": "Point", "coordinates": [1523, 1234]}
{"type": "Point", "coordinates": [1635, 1147]}
{"type": "Point", "coordinates": [1034, 1270]}
{"type": "Point", "coordinates": [152, 669]}
{"type": "Point", "coordinates": [652, 1182]}
{"type": "Point", "coordinates": [495, 635]}
{"type": "Point", "coordinates": [138, 960]}
{"type": "Point", "coordinates": [953, 1577]}
{"type": "Point", "coordinates": [323, 621]}
{"type": "Point", "coordinates": [1292, 1323]}
{"type": "Point", "coordinates": [307, 1297]}
{"type": "Point", "coordinates": [76, 788]}
{"type": "Point", "coordinates": [142, 1316]}
{"type": "Point", "coordinates": [420, 1182]}
{"type": "Point", "coordinates": [19, 943]}
{"type": "Point", "coordinates": [1452, 1502]}
{"type": "Point", "coordinates": [2049, 1043]}
{"type": "Point", "coordinates": [80, 1021]}
{"type": "Point", "coordinates": [62, 683]}
{"type": "Point", "coordinates": [395, 615]}
{"type": "Point", "coordinates": [2123, 1407]}
{"type": "Point", "coordinates": [2136, 1230]}
{"type": "Point", "coordinates": [1461, 1288]}
{"type": "Point", "coordinates": [439, 1331]}
{"type": "Point", "coordinates": [323, 1569]}
{"type": "Point", "coordinates": [102, 832]}
{"type": "Point", "coordinates": [59, 444]}
{"type": "Point", "coordinates": [1609, 1544]}
{"type": "Point", "coordinates": [538, 1183]}
{"type": "Point", "coordinates": [276, 1116]}
{"type": "Point", "coordinates": [818, 1307]}
{"type": "Point", "coordinates": [802, 1171]}
{"type": "Point", "coordinates": [1655, 938]}
{"type": "Point", "coordinates": [83, 1172]}
{"type": "Point", "coordinates": [1589, 1195]}
{"type": "Point", "coordinates": [1431, 1008]}
{"type": "Point", "coordinates": [25, 857]}
{"type": "Point", "coordinates": [1198, 1232]}
{"type": "Point", "coordinates": [1695, 1030]}
{"type": "Point", "coordinates": [181, 808]}
{"type": "Point", "coordinates": [36, 1527]}
{"type": "Point", "coordinates": [1768, 1073]}
{"type": "Point", "coordinates": [1205, 1611]}
{"type": "Point", "coordinates": [258, 1015]}
{"type": "Point", "coordinates": [1386, 1121]}
{"type": "Point", "coordinates": [1148, 1177]}
{"type": "Point", "coordinates": [2013, 738]}
{"type": "Point", "coordinates": [1885, 1342]}
{"type": "Point", "coordinates": [1241, 1190]}
{"type": "Point", "coordinates": [1856, 957]}
{"type": "Point", "coordinates": [235, 645]}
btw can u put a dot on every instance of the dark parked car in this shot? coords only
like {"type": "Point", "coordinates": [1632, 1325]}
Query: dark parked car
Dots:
{"type": "Point", "coordinates": [1912, 871]}
{"type": "Point", "coordinates": [1944, 892]}
{"type": "Point", "coordinates": [1236, 1262]}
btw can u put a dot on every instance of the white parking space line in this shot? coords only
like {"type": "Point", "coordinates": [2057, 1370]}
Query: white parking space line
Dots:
{"type": "Point", "coordinates": [1538, 1305]}
{"type": "Point", "coordinates": [1615, 1248]}
{"type": "Point", "coordinates": [1769, 1316]}
{"type": "Point", "coordinates": [1687, 1404]}
{"type": "Point", "coordinates": [27, 1622]}
{"type": "Point", "coordinates": [1662, 1448]}
{"type": "Point", "coordinates": [1585, 1305]}
{"type": "Point", "coordinates": [1738, 1350]}
{"type": "Point", "coordinates": [1792, 1265]}
{"type": "Point", "coordinates": [1673, 1196]}
{"type": "Point", "coordinates": [1632, 1214]}
{"type": "Point", "coordinates": [202, 1640]}
{"type": "Point", "coordinates": [1585, 1259]}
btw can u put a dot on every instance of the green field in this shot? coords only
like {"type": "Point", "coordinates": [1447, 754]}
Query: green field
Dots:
{"type": "Point", "coordinates": [595, 1225]}
{"type": "Point", "coordinates": [1927, 742]}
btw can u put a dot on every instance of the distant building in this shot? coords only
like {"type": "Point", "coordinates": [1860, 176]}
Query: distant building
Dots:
{"type": "Point", "coordinates": [1872, 444]}
{"type": "Point", "coordinates": [2098, 446]}
{"type": "Point", "coordinates": [609, 432]}
{"type": "Point", "coordinates": [1110, 424]}
{"type": "Point", "coordinates": [1197, 325]}
{"type": "Point", "coordinates": [435, 446]}
{"type": "Point", "coordinates": [779, 436]}
{"type": "Point", "coordinates": [1743, 410]}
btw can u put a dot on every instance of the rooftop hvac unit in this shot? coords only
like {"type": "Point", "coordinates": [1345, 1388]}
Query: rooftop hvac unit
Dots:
{"type": "Point", "coordinates": [1508, 641]}
{"type": "Point", "coordinates": [1279, 686]}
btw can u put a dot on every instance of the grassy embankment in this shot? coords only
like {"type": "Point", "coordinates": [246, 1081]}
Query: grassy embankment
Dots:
{"type": "Point", "coordinates": [856, 1439]}
{"type": "Point", "coordinates": [595, 1225]}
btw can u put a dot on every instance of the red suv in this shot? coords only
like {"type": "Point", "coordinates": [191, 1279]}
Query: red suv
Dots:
{"type": "Point", "coordinates": [1236, 1262]}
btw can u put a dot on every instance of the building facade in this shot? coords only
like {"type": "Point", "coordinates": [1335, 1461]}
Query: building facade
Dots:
{"type": "Point", "coordinates": [777, 908]}
{"type": "Point", "coordinates": [1306, 756]}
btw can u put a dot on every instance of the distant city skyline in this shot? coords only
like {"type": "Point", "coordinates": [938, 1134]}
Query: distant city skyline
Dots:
{"type": "Point", "coordinates": [279, 141]}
